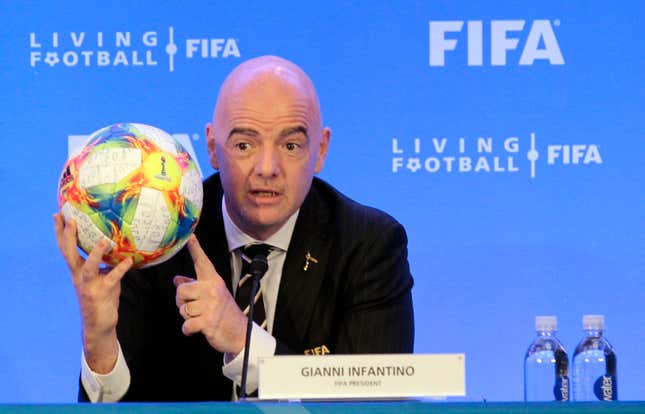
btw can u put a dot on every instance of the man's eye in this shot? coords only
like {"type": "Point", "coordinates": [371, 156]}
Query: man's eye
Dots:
{"type": "Point", "coordinates": [292, 146]}
{"type": "Point", "coordinates": [243, 146]}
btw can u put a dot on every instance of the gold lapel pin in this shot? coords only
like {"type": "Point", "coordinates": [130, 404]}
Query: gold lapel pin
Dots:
{"type": "Point", "coordinates": [309, 259]}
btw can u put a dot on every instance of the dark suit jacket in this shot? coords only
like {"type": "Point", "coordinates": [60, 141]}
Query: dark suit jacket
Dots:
{"type": "Point", "coordinates": [356, 299]}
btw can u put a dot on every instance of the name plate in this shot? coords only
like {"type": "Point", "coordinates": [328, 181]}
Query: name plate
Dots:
{"type": "Point", "coordinates": [362, 376]}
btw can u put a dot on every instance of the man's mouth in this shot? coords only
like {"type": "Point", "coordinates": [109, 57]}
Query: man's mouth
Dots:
{"type": "Point", "coordinates": [265, 193]}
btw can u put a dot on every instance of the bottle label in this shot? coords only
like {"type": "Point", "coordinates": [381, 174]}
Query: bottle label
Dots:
{"type": "Point", "coordinates": [561, 389]}
{"type": "Point", "coordinates": [605, 388]}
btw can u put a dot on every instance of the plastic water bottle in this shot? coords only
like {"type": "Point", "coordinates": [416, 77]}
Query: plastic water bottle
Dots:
{"type": "Point", "coordinates": [594, 364]}
{"type": "Point", "coordinates": [546, 367]}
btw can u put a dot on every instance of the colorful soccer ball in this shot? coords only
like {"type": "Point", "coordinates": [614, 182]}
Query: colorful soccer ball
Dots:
{"type": "Point", "coordinates": [136, 187]}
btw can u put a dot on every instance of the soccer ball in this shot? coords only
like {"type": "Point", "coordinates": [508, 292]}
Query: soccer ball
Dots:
{"type": "Point", "coordinates": [136, 187]}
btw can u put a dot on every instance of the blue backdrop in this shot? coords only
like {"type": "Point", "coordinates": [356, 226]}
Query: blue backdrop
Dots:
{"type": "Point", "coordinates": [507, 138]}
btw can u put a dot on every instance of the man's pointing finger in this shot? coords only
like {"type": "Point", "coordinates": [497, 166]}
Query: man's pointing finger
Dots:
{"type": "Point", "coordinates": [203, 266]}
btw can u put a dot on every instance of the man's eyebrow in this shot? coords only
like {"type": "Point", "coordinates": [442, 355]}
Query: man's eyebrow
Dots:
{"type": "Point", "coordinates": [243, 131]}
{"type": "Point", "coordinates": [293, 130]}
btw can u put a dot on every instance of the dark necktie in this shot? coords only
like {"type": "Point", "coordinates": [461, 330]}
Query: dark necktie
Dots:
{"type": "Point", "coordinates": [243, 292]}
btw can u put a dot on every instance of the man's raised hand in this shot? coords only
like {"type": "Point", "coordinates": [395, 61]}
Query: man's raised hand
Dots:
{"type": "Point", "coordinates": [97, 291]}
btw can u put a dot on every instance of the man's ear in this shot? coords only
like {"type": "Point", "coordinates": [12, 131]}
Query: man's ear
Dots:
{"type": "Point", "coordinates": [322, 150]}
{"type": "Point", "coordinates": [210, 143]}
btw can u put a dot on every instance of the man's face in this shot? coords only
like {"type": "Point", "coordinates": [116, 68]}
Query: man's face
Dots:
{"type": "Point", "coordinates": [268, 143]}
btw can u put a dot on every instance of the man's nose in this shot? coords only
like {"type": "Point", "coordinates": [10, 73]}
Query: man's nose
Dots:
{"type": "Point", "coordinates": [268, 162]}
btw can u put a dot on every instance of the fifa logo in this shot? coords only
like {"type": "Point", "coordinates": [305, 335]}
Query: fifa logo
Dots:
{"type": "Point", "coordinates": [121, 48]}
{"type": "Point", "coordinates": [540, 43]}
{"type": "Point", "coordinates": [483, 153]}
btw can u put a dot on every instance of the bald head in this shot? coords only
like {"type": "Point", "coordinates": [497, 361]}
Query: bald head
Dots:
{"type": "Point", "coordinates": [268, 76]}
{"type": "Point", "coordinates": [267, 142]}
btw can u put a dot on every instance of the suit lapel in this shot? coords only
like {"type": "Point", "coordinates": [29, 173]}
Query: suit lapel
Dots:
{"type": "Point", "coordinates": [300, 283]}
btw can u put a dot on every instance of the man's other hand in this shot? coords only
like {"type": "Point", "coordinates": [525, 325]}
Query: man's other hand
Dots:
{"type": "Point", "coordinates": [207, 306]}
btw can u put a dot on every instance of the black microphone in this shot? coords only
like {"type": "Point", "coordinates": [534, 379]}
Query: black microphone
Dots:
{"type": "Point", "coordinates": [257, 268]}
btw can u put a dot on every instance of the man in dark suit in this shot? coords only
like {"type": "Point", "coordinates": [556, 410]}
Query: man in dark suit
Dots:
{"type": "Point", "coordinates": [338, 278]}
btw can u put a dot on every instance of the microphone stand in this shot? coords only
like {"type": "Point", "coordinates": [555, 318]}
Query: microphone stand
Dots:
{"type": "Point", "coordinates": [258, 268]}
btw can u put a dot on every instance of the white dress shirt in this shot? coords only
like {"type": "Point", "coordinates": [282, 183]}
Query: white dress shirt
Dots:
{"type": "Point", "coordinates": [112, 387]}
